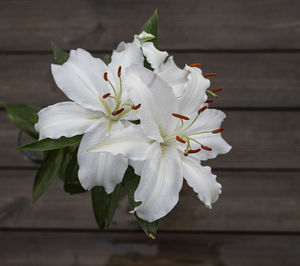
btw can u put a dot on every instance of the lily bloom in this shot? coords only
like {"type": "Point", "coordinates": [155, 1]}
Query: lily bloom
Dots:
{"type": "Point", "coordinates": [167, 146]}
{"type": "Point", "coordinates": [99, 106]}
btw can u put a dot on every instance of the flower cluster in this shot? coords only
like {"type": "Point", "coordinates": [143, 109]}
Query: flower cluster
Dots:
{"type": "Point", "coordinates": [155, 119]}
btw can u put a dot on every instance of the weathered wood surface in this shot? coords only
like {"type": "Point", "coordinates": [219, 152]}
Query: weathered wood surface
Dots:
{"type": "Point", "coordinates": [249, 80]}
{"type": "Point", "coordinates": [191, 24]}
{"type": "Point", "coordinates": [260, 139]}
{"type": "Point", "coordinates": [251, 201]}
{"type": "Point", "coordinates": [47, 248]}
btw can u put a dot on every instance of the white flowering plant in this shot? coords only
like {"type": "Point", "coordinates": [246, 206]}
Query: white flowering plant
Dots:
{"type": "Point", "coordinates": [134, 120]}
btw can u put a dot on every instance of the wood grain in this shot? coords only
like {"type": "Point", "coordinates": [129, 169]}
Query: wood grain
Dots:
{"type": "Point", "coordinates": [251, 201]}
{"type": "Point", "coordinates": [42, 248]}
{"type": "Point", "coordinates": [100, 25]}
{"type": "Point", "coordinates": [249, 80]}
{"type": "Point", "coordinates": [260, 139]}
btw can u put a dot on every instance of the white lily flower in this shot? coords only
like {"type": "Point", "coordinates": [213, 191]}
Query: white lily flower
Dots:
{"type": "Point", "coordinates": [188, 84]}
{"type": "Point", "coordinates": [170, 145]}
{"type": "Point", "coordinates": [99, 105]}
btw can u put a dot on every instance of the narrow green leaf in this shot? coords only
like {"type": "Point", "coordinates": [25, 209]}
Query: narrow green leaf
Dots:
{"type": "Point", "coordinates": [151, 26]}
{"type": "Point", "coordinates": [99, 201]}
{"type": "Point", "coordinates": [23, 116]}
{"type": "Point", "coordinates": [113, 201]}
{"type": "Point", "coordinates": [106, 59]}
{"type": "Point", "coordinates": [131, 182]}
{"type": "Point", "coordinates": [64, 164]}
{"type": "Point", "coordinates": [72, 184]}
{"type": "Point", "coordinates": [59, 55]}
{"type": "Point", "coordinates": [47, 172]}
{"type": "Point", "coordinates": [51, 144]}
{"type": "Point", "coordinates": [104, 205]}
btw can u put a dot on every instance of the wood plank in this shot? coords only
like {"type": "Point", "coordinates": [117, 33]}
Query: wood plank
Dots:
{"type": "Point", "coordinates": [249, 80]}
{"type": "Point", "coordinates": [47, 248]}
{"type": "Point", "coordinates": [232, 24]}
{"type": "Point", "coordinates": [251, 201]}
{"type": "Point", "coordinates": [260, 139]}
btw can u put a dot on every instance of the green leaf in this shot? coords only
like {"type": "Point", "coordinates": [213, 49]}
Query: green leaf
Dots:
{"type": "Point", "coordinates": [59, 55]}
{"type": "Point", "coordinates": [23, 116]}
{"type": "Point", "coordinates": [104, 205]}
{"type": "Point", "coordinates": [64, 164]}
{"type": "Point", "coordinates": [131, 182]}
{"type": "Point", "coordinates": [72, 184]}
{"type": "Point", "coordinates": [51, 144]}
{"type": "Point", "coordinates": [47, 172]}
{"type": "Point", "coordinates": [106, 59]}
{"type": "Point", "coordinates": [151, 26]}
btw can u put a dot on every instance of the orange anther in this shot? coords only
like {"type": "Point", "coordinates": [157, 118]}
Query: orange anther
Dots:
{"type": "Point", "coordinates": [194, 151]}
{"type": "Point", "coordinates": [218, 130]}
{"type": "Point", "coordinates": [216, 90]}
{"type": "Point", "coordinates": [180, 116]}
{"type": "Point", "coordinates": [209, 75]}
{"type": "Point", "coordinates": [195, 65]}
{"type": "Point", "coordinates": [180, 139]}
{"type": "Point", "coordinates": [202, 109]}
{"type": "Point", "coordinates": [105, 76]}
{"type": "Point", "coordinates": [135, 107]}
{"type": "Point", "coordinates": [206, 148]}
{"type": "Point", "coordinates": [118, 111]}
{"type": "Point", "coordinates": [209, 101]}
{"type": "Point", "coordinates": [105, 95]}
{"type": "Point", "coordinates": [119, 71]}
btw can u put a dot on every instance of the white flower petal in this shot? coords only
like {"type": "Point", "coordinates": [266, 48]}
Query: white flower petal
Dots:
{"type": "Point", "coordinates": [81, 79]}
{"type": "Point", "coordinates": [137, 166]}
{"type": "Point", "coordinates": [194, 93]}
{"type": "Point", "coordinates": [210, 119]}
{"type": "Point", "coordinates": [66, 119]}
{"type": "Point", "coordinates": [125, 55]}
{"type": "Point", "coordinates": [154, 56]}
{"type": "Point", "coordinates": [216, 143]}
{"type": "Point", "coordinates": [99, 169]}
{"type": "Point", "coordinates": [144, 36]}
{"type": "Point", "coordinates": [201, 180]}
{"type": "Point", "coordinates": [173, 75]}
{"type": "Point", "coordinates": [130, 142]}
{"type": "Point", "coordinates": [157, 100]}
{"type": "Point", "coordinates": [161, 181]}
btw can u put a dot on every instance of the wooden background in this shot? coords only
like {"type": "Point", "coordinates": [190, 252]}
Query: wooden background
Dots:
{"type": "Point", "coordinates": [253, 46]}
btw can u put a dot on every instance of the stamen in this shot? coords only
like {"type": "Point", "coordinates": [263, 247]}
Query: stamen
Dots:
{"type": "Point", "coordinates": [206, 148]}
{"type": "Point", "coordinates": [209, 101]}
{"type": "Point", "coordinates": [217, 130]}
{"type": "Point", "coordinates": [118, 111]}
{"type": "Point", "coordinates": [119, 71]}
{"type": "Point", "coordinates": [209, 75]}
{"type": "Point", "coordinates": [180, 139]}
{"type": "Point", "coordinates": [216, 90]}
{"type": "Point", "coordinates": [195, 65]}
{"type": "Point", "coordinates": [194, 151]}
{"type": "Point", "coordinates": [202, 109]}
{"type": "Point", "coordinates": [180, 116]}
{"type": "Point", "coordinates": [105, 95]}
{"type": "Point", "coordinates": [105, 76]}
{"type": "Point", "coordinates": [135, 107]}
